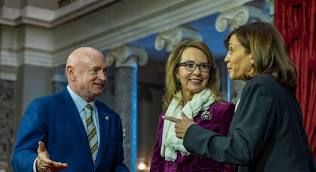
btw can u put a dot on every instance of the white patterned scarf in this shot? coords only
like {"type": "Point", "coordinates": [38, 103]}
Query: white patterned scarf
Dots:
{"type": "Point", "coordinates": [170, 143]}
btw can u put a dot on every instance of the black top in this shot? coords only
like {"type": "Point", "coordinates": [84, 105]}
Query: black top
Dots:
{"type": "Point", "coordinates": [266, 133]}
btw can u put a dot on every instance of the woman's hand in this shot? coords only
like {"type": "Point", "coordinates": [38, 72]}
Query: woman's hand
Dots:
{"type": "Point", "coordinates": [181, 125]}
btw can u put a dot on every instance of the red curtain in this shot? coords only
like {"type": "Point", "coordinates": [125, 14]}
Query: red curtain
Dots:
{"type": "Point", "coordinates": [296, 20]}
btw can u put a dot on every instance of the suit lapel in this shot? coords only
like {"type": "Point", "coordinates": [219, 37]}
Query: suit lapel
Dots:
{"type": "Point", "coordinates": [104, 119]}
{"type": "Point", "coordinates": [71, 110]}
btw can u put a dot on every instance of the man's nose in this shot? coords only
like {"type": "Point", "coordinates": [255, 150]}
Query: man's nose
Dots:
{"type": "Point", "coordinates": [102, 76]}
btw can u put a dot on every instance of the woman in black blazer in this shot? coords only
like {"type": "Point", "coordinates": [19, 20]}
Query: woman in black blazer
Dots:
{"type": "Point", "coordinates": [266, 133]}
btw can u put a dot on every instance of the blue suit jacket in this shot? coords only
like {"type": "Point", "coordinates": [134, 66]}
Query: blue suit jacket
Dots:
{"type": "Point", "coordinates": [56, 121]}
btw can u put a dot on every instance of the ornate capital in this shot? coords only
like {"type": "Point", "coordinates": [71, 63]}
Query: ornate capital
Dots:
{"type": "Point", "coordinates": [127, 56]}
{"type": "Point", "coordinates": [235, 17]}
{"type": "Point", "coordinates": [169, 39]}
{"type": "Point", "coordinates": [271, 7]}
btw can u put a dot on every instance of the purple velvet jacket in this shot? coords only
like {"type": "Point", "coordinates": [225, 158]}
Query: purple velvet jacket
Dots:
{"type": "Point", "coordinates": [221, 116]}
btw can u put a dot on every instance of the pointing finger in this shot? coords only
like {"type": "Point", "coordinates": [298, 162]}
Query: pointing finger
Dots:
{"type": "Point", "coordinates": [184, 116]}
{"type": "Point", "coordinates": [170, 118]}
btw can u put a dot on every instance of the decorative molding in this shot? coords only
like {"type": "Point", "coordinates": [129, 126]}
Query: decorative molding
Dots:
{"type": "Point", "coordinates": [9, 58]}
{"type": "Point", "coordinates": [170, 38]}
{"type": "Point", "coordinates": [36, 13]}
{"type": "Point", "coordinates": [105, 36]}
{"type": "Point", "coordinates": [15, 58]}
{"type": "Point", "coordinates": [235, 17]}
{"type": "Point", "coordinates": [8, 73]}
{"type": "Point", "coordinates": [8, 13]}
{"type": "Point", "coordinates": [26, 45]}
{"type": "Point", "coordinates": [37, 58]}
{"type": "Point", "coordinates": [49, 18]}
{"type": "Point", "coordinates": [258, 14]}
{"type": "Point", "coordinates": [271, 7]}
{"type": "Point", "coordinates": [127, 56]}
{"type": "Point", "coordinates": [7, 76]}
{"type": "Point", "coordinates": [232, 18]}
{"type": "Point", "coordinates": [120, 33]}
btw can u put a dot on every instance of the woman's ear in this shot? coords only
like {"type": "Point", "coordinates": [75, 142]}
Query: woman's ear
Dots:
{"type": "Point", "coordinates": [176, 73]}
{"type": "Point", "coordinates": [251, 60]}
{"type": "Point", "coordinates": [177, 78]}
{"type": "Point", "coordinates": [252, 65]}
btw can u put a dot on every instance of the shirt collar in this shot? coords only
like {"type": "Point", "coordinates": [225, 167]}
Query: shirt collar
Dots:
{"type": "Point", "coordinates": [79, 101]}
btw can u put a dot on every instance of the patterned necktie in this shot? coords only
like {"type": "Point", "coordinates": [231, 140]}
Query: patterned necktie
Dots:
{"type": "Point", "coordinates": [91, 132]}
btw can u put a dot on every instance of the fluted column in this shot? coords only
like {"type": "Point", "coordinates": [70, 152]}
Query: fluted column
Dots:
{"type": "Point", "coordinates": [126, 60]}
{"type": "Point", "coordinates": [170, 38]}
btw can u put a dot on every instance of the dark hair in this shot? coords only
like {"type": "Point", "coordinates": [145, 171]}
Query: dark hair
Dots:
{"type": "Point", "coordinates": [268, 50]}
{"type": "Point", "coordinates": [174, 58]}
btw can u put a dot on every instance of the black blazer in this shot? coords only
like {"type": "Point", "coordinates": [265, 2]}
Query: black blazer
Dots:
{"type": "Point", "coordinates": [266, 133]}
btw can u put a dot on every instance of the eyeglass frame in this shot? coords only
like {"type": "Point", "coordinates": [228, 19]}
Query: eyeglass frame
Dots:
{"type": "Point", "coordinates": [185, 64]}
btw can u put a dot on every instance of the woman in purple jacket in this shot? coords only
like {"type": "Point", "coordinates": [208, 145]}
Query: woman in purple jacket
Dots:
{"type": "Point", "coordinates": [191, 90]}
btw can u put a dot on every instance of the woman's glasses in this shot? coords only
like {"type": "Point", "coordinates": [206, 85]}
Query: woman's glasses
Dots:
{"type": "Point", "coordinates": [191, 66]}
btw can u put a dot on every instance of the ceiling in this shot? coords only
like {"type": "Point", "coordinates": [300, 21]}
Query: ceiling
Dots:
{"type": "Point", "coordinates": [56, 12]}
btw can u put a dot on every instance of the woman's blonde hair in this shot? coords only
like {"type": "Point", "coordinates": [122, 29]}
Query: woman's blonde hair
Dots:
{"type": "Point", "coordinates": [268, 51]}
{"type": "Point", "coordinates": [172, 85]}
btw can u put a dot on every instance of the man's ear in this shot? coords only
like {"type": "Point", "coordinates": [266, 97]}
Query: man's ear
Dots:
{"type": "Point", "coordinates": [70, 73]}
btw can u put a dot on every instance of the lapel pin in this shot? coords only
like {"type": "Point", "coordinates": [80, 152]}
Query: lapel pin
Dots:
{"type": "Point", "coordinates": [106, 117]}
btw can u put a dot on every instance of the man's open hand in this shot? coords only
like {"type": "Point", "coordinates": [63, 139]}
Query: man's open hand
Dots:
{"type": "Point", "coordinates": [43, 163]}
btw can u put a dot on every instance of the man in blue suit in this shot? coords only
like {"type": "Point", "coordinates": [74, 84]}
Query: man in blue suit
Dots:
{"type": "Point", "coordinates": [72, 131]}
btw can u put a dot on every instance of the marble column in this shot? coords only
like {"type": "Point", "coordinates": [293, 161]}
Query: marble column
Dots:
{"type": "Point", "coordinates": [25, 62]}
{"type": "Point", "coordinates": [126, 60]}
{"type": "Point", "coordinates": [170, 38]}
{"type": "Point", "coordinates": [7, 122]}
{"type": "Point", "coordinates": [32, 82]}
